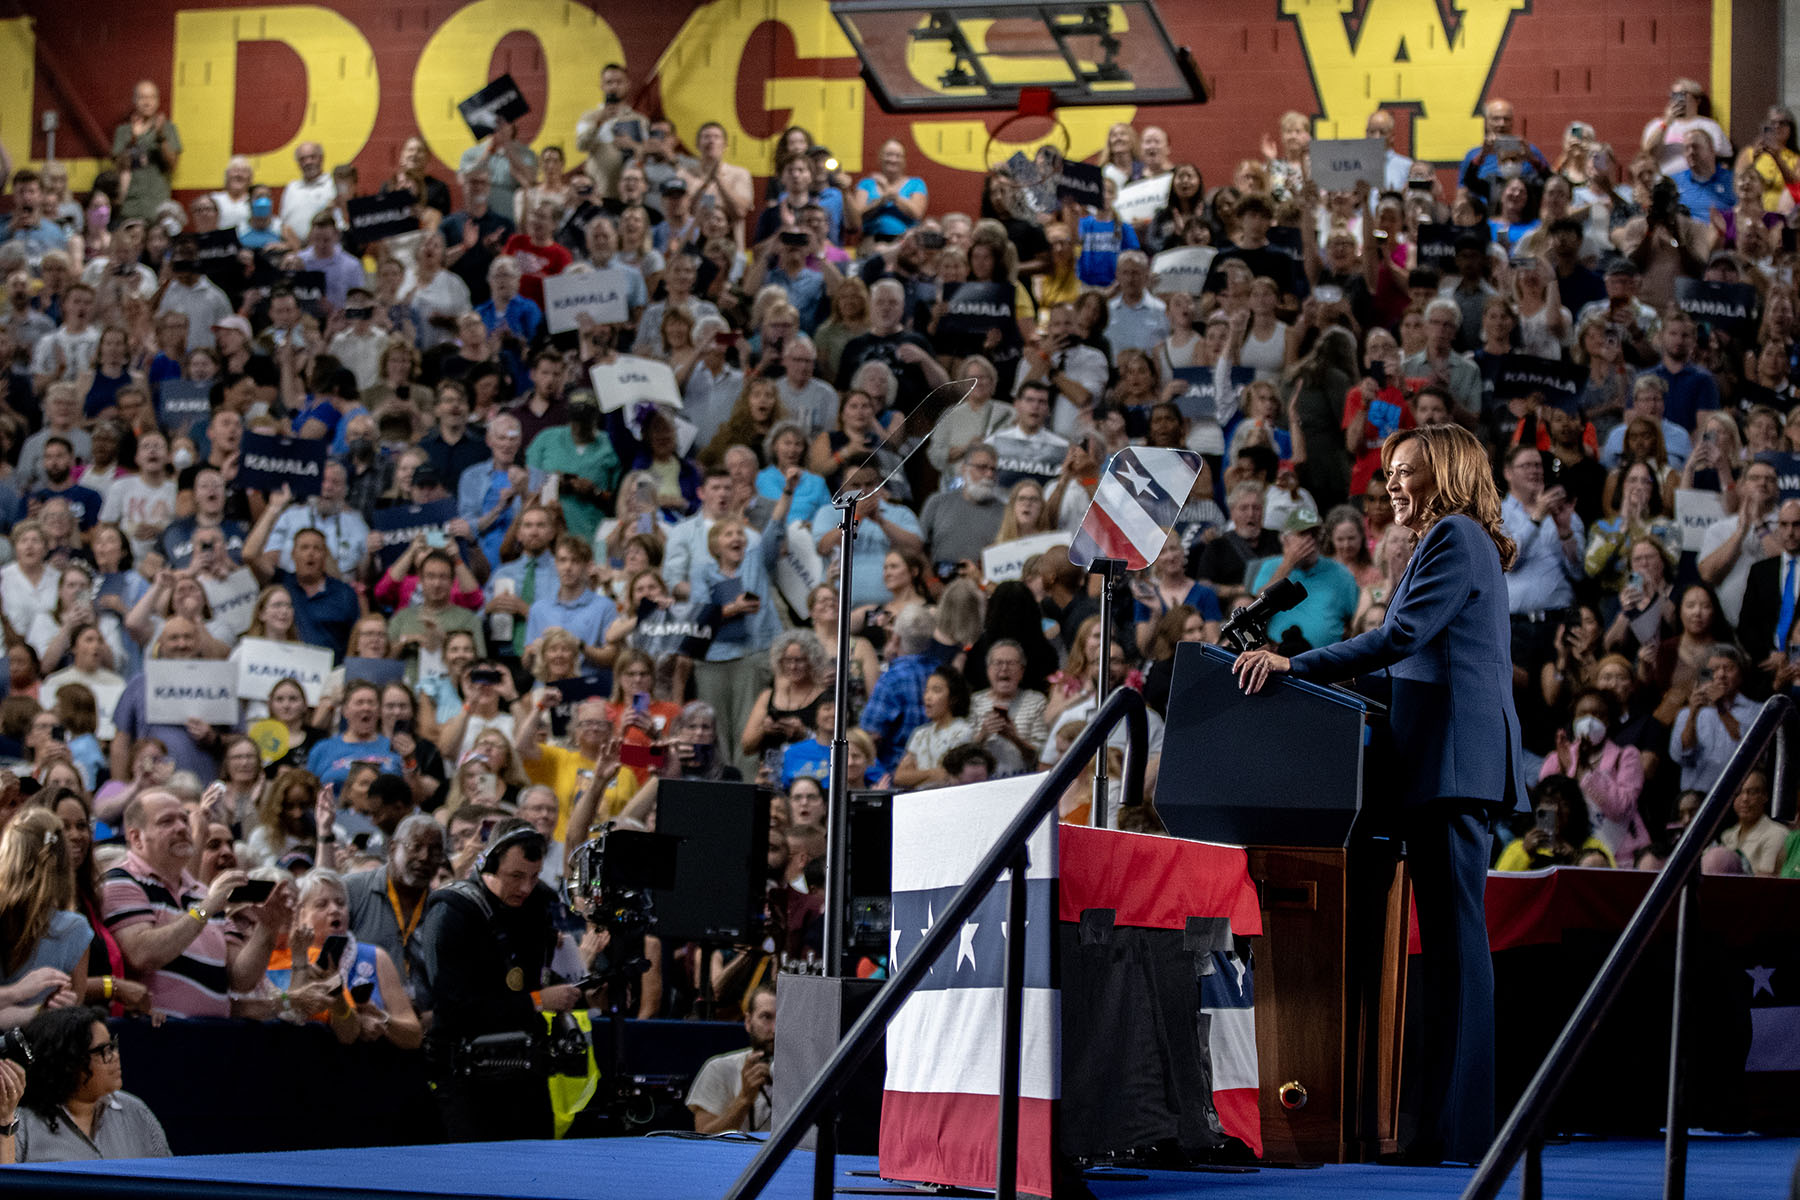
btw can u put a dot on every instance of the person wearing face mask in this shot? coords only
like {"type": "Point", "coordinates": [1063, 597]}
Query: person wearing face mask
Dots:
{"type": "Point", "coordinates": [260, 229]}
{"type": "Point", "coordinates": [1610, 776]}
{"type": "Point", "coordinates": [958, 524]}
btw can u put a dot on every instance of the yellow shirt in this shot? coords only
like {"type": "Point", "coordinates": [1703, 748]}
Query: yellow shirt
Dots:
{"type": "Point", "coordinates": [1774, 186]}
{"type": "Point", "coordinates": [1514, 857]}
{"type": "Point", "coordinates": [566, 773]}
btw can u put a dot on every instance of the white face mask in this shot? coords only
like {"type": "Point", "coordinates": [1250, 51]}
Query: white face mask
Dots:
{"type": "Point", "coordinates": [183, 458]}
{"type": "Point", "coordinates": [1590, 729]}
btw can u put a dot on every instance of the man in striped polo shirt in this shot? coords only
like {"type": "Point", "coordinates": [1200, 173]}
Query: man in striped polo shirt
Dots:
{"type": "Point", "coordinates": [173, 931]}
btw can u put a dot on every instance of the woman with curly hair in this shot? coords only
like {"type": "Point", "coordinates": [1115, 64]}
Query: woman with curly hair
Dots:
{"type": "Point", "coordinates": [76, 1107]}
{"type": "Point", "coordinates": [757, 411]}
{"type": "Point", "coordinates": [284, 818]}
{"type": "Point", "coordinates": [786, 711]}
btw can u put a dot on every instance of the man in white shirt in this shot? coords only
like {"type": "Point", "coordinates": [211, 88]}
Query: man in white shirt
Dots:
{"type": "Point", "coordinates": [1396, 167]}
{"type": "Point", "coordinates": [1733, 545]}
{"type": "Point", "coordinates": [1074, 371]}
{"type": "Point", "coordinates": [1137, 320]}
{"type": "Point", "coordinates": [731, 1091]}
{"type": "Point", "coordinates": [193, 295]}
{"type": "Point", "coordinates": [713, 384]}
{"type": "Point", "coordinates": [346, 534]}
{"type": "Point", "coordinates": [813, 402]}
{"type": "Point", "coordinates": [308, 196]}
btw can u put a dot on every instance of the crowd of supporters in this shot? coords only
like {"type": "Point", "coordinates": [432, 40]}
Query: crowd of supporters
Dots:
{"type": "Point", "coordinates": [626, 592]}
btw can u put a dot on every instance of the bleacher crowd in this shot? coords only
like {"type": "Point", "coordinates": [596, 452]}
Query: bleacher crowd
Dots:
{"type": "Point", "coordinates": [536, 602]}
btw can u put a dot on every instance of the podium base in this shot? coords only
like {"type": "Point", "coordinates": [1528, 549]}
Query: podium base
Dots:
{"type": "Point", "coordinates": [812, 1015]}
{"type": "Point", "coordinates": [1330, 993]}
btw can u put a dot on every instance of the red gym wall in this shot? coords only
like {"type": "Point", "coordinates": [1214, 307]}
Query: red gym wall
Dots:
{"type": "Point", "coordinates": [360, 76]}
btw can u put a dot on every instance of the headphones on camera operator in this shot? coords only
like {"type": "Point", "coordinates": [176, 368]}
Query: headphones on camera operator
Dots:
{"type": "Point", "coordinates": [489, 862]}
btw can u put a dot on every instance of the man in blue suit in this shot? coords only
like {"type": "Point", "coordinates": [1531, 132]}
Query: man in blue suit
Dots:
{"type": "Point", "coordinates": [1445, 646]}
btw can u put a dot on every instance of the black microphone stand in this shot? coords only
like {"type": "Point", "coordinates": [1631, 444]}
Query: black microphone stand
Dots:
{"type": "Point", "coordinates": [1110, 570]}
{"type": "Point", "coordinates": [920, 423]}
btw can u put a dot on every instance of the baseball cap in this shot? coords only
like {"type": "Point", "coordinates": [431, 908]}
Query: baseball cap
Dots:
{"type": "Point", "coordinates": [425, 476]}
{"type": "Point", "coordinates": [1302, 518]}
{"type": "Point", "coordinates": [234, 321]}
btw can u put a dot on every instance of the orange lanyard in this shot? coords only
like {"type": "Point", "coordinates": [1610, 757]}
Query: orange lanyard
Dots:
{"type": "Point", "coordinates": [406, 926]}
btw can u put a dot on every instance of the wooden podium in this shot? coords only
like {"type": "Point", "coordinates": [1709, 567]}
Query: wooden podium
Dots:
{"type": "Point", "coordinates": [1328, 1011]}
{"type": "Point", "coordinates": [1286, 773]}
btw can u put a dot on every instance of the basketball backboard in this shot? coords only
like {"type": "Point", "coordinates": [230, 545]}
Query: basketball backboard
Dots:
{"type": "Point", "coordinates": [983, 54]}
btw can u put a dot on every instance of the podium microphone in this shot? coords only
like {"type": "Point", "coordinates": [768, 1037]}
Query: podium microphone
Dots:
{"type": "Point", "coordinates": [1278, 597]}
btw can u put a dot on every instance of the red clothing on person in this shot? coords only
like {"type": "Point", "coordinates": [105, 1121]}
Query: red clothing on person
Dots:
{"type": "Point", "coordinates": [397, 596]}
{"type": "Point", "coordinates": [1369, 461]}
{"type": "Point", "coordinates": [536, 263]}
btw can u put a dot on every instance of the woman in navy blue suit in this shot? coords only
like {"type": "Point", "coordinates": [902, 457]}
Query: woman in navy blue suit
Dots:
{"type": "Point", "coordinates": [1446, 647]}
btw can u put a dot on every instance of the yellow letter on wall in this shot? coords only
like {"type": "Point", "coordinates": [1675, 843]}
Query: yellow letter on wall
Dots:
{"type": "Point", "coordinates": [343, 88]}
{"type": "Point", "coordinates": [698, 74]}
{"type": "Point", "coordinates": [455, 62]}
{"type": "Point", "coordinates": [1403, 55]}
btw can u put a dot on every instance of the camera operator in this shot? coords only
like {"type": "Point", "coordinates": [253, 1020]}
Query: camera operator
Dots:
{"type": "Point", "coordinates": [485, 944]}
{"type": "Point", "coordinates": [731, 1091]}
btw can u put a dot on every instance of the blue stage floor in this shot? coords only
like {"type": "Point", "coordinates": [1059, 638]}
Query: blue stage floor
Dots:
{"type": "Point", "coordinates": [676, 1169]}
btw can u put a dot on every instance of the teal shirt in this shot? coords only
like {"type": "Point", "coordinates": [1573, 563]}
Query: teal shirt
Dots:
{"type": "Point", "coordinates": [1324, 616]}
{"type": "Point", "coordinates": [554, 449]}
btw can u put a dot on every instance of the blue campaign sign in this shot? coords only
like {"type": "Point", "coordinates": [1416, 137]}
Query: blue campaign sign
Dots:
{"type": "Point", "coordinates": [266, 462]}
{"type": "Point", "coordinates": [182, 403]}
{"type": "Point", "coordinates": [378, 671]}
{"type": "Point", "coordinates": [1201, 402]}
{"type": "Point", "coordinates": [399, 525]}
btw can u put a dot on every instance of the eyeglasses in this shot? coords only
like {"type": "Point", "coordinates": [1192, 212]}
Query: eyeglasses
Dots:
{"type": "Point", "coordinates": [106, 1051]}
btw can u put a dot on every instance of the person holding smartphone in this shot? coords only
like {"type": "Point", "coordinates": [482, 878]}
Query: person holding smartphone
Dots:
{"type": "Point", "coordinates": [1688, 108]}
{"type": "Point", "coordinates": [1560, 834]}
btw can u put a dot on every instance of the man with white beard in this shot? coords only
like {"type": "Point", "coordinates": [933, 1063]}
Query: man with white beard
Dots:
{"type": "Point", "coordinates": [958, 524]}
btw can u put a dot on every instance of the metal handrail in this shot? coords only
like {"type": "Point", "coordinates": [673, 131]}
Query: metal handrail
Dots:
{"type": "Point", "coordinates": [1009, 850]}
{"type": "Point", "coordinates": [1523, 1132]}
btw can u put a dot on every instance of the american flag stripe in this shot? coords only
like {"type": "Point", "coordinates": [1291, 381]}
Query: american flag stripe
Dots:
{"type": "Point", "coordinates": [964, 1025]}
{"type": "Point", "coordinates": [961, 1131]}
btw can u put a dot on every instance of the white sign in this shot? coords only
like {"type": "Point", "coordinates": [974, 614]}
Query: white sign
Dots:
{"type": "Point", "coordinates": [1006, 561]}
{"type": "Point", "coordinates": [1338, 166]}
{"type": "Point", "coordinates": [1694, 511]}
{"type": "Point", "coordinates": [1183, 269]}
{"type": "Point", "coordinates": [233, 600]}
{"type": "Point", "coordinates": [600, 294]}
{"type": "Point", "coordinates": [178, 688]}
{"type": "Point", "coordinates": [261, 664]}
{"type": "Point", "coordinates": [799, 569]}
{"type": "Point", "coordinates": [628, 379]}
{"type": "Point", "coordinates": [1139, 201]}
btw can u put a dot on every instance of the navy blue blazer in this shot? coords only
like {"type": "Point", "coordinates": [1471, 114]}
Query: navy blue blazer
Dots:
{"type": "Point", "coordinates": [1446, 645]}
